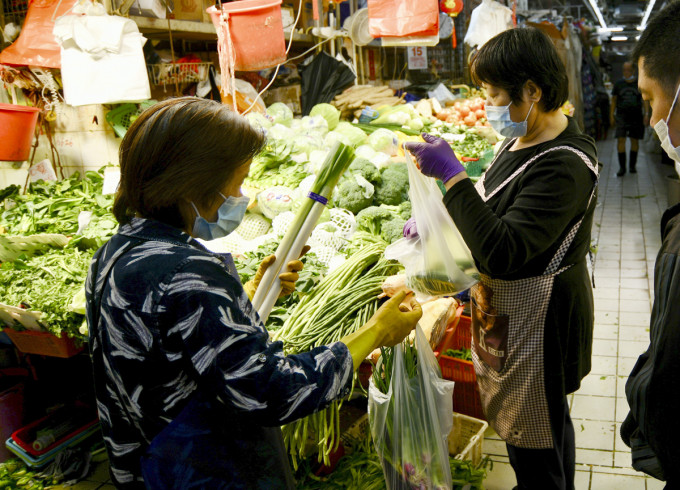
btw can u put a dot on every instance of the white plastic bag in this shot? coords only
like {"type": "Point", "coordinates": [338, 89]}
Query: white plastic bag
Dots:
{"type": "Point", "coordinates": [410, 423]}
{"type": "Point", "coordinates": [444, 265]}
{"type": "Point", "coordinates": [487, 20]}
{"type": "Point", "coordinates": [102, 61]}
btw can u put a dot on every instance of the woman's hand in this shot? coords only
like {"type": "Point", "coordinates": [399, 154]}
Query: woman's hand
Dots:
{"type": "Point", "coordinates": [435, 158]}
{"type": "Point", "coordinates": [287, 278]}
{"type": "Point", "coordinates": [390, 325]}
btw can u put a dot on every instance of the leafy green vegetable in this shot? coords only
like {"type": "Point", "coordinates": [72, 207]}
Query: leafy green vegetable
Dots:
{"type": "Point", "coordinates": [394, 185]}
{"type": "Point", "coordinates": [328, 112]}
{"type": "Point", "coordinates": [463, 353]}
{"type": "Point", "coordinates": [280, 113]}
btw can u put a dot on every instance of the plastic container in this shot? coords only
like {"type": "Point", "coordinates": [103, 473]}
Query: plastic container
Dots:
{"type": "Point", "coordinates": [466, 399]}
{"type": "Point", "coordinates": [256, 30]}
{"type": "Point", "coordinates": [466, 438]}
{"type": "Point", "coordinates": [17, 127]}
{"type": "Point", "coordinates": [11, 411]}
{"type": "Point", "coordinates": [48, 457]}
{"type": "Point", "coordinates": [43, 343]}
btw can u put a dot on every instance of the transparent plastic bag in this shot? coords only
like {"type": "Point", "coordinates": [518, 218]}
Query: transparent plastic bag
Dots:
{"type": "Point", "coordinates": [446, 266]}
{"type": "Point", "coordinates": [411, 423]}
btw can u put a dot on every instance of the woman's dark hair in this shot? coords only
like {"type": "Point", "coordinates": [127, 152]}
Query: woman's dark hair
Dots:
{"type": "Point", "coordinates": [659, 47]}
{"type": "Point", "coordinates": [514, 57]}
{"type": "Point", "coordinates": [180, 149]}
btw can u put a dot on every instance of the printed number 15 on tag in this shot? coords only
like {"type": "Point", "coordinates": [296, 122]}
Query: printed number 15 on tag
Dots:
{"type": "Point", "coordinates": [417, 58]}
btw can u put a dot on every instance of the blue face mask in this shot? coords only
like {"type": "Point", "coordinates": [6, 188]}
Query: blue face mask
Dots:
{"type": "Point", "coordinates": [499, 118]}
{"type": "Point", "coordinates": [229, 216]}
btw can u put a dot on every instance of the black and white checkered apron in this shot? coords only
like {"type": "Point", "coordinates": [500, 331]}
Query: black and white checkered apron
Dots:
{"type": "Point", "coordinates": [514, 399]}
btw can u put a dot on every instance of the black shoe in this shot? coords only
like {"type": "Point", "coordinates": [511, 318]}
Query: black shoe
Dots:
{"type": "Point", "coordinates": [632, 170]}
{"type": "Point", "coordinates": [621, 172]}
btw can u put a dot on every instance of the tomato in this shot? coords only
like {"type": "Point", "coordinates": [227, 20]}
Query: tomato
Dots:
{"type": "Point", "coordinates": [456, 105]}
{"type": "Point", "coordinates": [464, 111]}
{"type": "Point", "coordinates": [470, 120]}
{"type": "Point", "coordinates": [480, 113]}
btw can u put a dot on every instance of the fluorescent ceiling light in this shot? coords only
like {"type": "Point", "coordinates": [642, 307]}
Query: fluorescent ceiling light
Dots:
{"type": "Point", "coordinates": [640, 28]}
{"type": "Point", "coordinates": [619, 38]}
{"type": "Point", "coordinates": [650, 6]}
{"type": "Point", "coordinates": [614, 29]}
{"type": "Point", "coordinates": [598, 13]}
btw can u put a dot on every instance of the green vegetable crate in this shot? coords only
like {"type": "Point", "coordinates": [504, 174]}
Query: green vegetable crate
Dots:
{"type": "Point", "coordinates": [466, 398]}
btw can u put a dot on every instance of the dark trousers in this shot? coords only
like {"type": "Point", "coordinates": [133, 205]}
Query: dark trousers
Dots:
{"type": "Point", "coordinates": [548, 469]}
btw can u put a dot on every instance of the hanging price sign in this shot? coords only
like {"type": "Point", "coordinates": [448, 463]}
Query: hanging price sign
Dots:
{"type": "Point", "coordinates": [417, 58]}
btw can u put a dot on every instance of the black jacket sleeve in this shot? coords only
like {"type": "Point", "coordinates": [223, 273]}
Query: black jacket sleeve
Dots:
{"type": "Point", "coordinates": [653, 385]}
{"type": "Point", "coordinates": [550, 195]}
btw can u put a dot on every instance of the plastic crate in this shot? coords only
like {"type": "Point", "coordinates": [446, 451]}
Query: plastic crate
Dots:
{"type": "Point", "coordinates": [466, 399]}
{"type": "Point", "coordinates": [43, 343]}
{"type": "Point", "coordinates": [466, 438]}
{"type": "Point", "coordinates": [41, 461]}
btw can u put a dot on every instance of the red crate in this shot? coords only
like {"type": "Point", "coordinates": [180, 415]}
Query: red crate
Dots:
{"type": "Point", "coordinates": [466, 398]}
{"type": "Point", "coordinates": [43, 343]}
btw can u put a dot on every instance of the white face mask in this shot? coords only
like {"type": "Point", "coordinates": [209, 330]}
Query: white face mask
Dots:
{"type": "Point", "coordinates": [661, 129]}
{"type": "Point", "coordinates": [499, 119]}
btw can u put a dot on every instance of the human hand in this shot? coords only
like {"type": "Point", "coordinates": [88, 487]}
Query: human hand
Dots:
{"type": "Point", "coordinates": [435, 158]}
{"type": "Point", "coordinates": [396, 320]}
{"type": "Point", "coordinates": [287, 278]}
{"type": "Point", "coordinates": [410, 229]}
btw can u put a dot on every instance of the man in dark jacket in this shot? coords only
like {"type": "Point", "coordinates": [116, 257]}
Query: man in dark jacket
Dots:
{"type": "Point", "coordinates": [652, 428]}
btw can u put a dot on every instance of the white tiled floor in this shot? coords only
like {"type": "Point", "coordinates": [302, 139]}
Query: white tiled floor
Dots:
{"type": "Point", "coordinates": [626, 233]}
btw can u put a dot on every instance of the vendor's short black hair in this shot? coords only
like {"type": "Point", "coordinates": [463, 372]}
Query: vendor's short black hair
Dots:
{"type": "Point", "coordinates": [513, 57]}
{"type": "Point", "coordinates": [659, 46]}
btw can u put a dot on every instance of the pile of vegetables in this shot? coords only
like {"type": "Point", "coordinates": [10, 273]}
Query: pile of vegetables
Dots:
{"type": "Point", "coordinates": [46, 278]}
{"type": "Point", "coordinates": [468, 112]}
{"type": "Point", "coordinates": [464, 354]}
{"type": "Point", "coordinates": [340, 304]}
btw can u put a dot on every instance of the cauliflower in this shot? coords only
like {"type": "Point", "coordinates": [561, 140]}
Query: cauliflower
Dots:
{"type": "Point", "coordinates": [363, 167]}
{"type": "Point", "coordinates": [393, 189]}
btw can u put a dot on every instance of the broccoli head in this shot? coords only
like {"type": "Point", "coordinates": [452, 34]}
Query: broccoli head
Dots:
{"type": "Point", "coordinates": [351, 196]}
{"type": "Point", "coordinates": [372, 219]}
{"type": "Point", "coordinates": [393, 230]}
{"type": "Point", "coordinates": [393, 189]}
{"type": "Point", "coordinates": [366, 169]}
{"type": "Point", "coordinates": [405, 210]}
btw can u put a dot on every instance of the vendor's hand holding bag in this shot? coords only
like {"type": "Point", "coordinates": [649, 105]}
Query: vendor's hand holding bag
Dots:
{"type": "Point", "coordinates": [410, 412]}
{"type": "Point", "coordinates": [438, 263]}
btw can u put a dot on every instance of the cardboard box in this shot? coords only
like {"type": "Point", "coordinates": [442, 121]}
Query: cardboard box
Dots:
{"type": "Point", "coordinates": [189, 10]}
{"type": "Point", "coordinates": [288, 95]}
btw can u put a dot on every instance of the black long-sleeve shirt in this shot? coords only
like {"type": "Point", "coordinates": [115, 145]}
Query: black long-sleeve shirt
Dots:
{"type": "Point", "coordinates": [516, 233]}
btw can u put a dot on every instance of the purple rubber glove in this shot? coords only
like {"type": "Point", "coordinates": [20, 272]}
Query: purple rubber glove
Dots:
{"type": "Point", "coordinates": [410, 229]}
{"type": "Point", "coordinates": [436, 158]}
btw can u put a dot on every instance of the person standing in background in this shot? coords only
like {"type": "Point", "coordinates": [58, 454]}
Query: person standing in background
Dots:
{"type": "Point", "coordinates": [652, 426]}
{"type": "Point", "coordinates": [627, 116]}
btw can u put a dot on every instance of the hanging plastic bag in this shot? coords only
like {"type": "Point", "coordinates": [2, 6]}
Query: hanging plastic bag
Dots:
{"type": "Point", "coordinates": [36, 45]}
{"type": "Point", "coordinates": [444, 266]}
{"type": "Point", "coordinates": [400, 18]}
{"type": "Point", "coordinates": [410, 411]}
{"type": "Point", "coordinates": [487, 20]}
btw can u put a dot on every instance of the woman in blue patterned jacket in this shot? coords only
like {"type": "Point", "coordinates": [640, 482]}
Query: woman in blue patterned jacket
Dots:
{"type": "Point", "coordinates": [190, 390]}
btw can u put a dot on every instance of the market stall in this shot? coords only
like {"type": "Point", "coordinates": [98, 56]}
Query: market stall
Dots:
{"type": "Point", "coordinates": [340, 85]}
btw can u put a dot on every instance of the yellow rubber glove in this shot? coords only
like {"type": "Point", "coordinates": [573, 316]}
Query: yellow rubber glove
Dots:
{"type": "Point", "coordinates": [287, 278]}
{"type": "Point", "coordinates": [390, 325]}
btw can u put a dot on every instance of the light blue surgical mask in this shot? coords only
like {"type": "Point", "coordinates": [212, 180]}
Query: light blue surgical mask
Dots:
{"type": "Point", "coordinates": [499, 118]}
{"type": "Point", "coordinates": [229, 216]}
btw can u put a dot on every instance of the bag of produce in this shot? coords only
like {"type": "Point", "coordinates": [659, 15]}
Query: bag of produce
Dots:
{"type": "Point", "coordinates": [410, 411]}
{"type": "Point", "coordinates": [441, 264]}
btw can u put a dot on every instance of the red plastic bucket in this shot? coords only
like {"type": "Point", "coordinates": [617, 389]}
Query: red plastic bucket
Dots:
{"type": "Point", "coordinates": [256, 32]}
{"type": "Point", "coordinates": [17, 125]}
{"type": "Point", "coordinates": [11, 414]}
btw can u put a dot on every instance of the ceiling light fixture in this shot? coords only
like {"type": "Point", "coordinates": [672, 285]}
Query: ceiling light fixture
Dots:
{"type": "Point", "coordinates": [619, 38]}
{"type": "Point", "coordinates": [648, 12]}
{"type": "Point", "coordinates": [598, 13]}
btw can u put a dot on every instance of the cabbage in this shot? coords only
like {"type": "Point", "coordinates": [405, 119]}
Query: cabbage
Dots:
{"type": "Point", "coordinates": [316, 160]}
{"type": "Point", "coordinates": [306, 144]}
{"type": "Point", "coordinates": [384, 140]}
{"type": "Point", "coordinates": [381, 160]}
{"type": "Point", "coordinates": [275, 200]}
{"type": "Point", "coordinates": [364, 151]}
{"type": "Point", "coordinates": [416, 123]}
{"type": "Point", "coordinates": [332, 137]}
{"type": "Point", "coordinates": [280, 113]}
{"type": "Point", "coordinates": [281, 133]}
{"type": "Point", "coordinates": [352, 134]}
{"type": "Point", "coordinates": [258, 120]}
{"type": "Point", "coordinates": [329, 113]}
{"type": "Point", "coordinates": [315, 125]}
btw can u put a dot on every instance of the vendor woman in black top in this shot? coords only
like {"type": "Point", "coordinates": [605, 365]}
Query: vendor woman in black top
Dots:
{"type": "Point", "coordinates": [527, 223]}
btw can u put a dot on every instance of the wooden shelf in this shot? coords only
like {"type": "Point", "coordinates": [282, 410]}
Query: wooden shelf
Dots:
{"type": "Point", "coordinates": [153, 28]}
